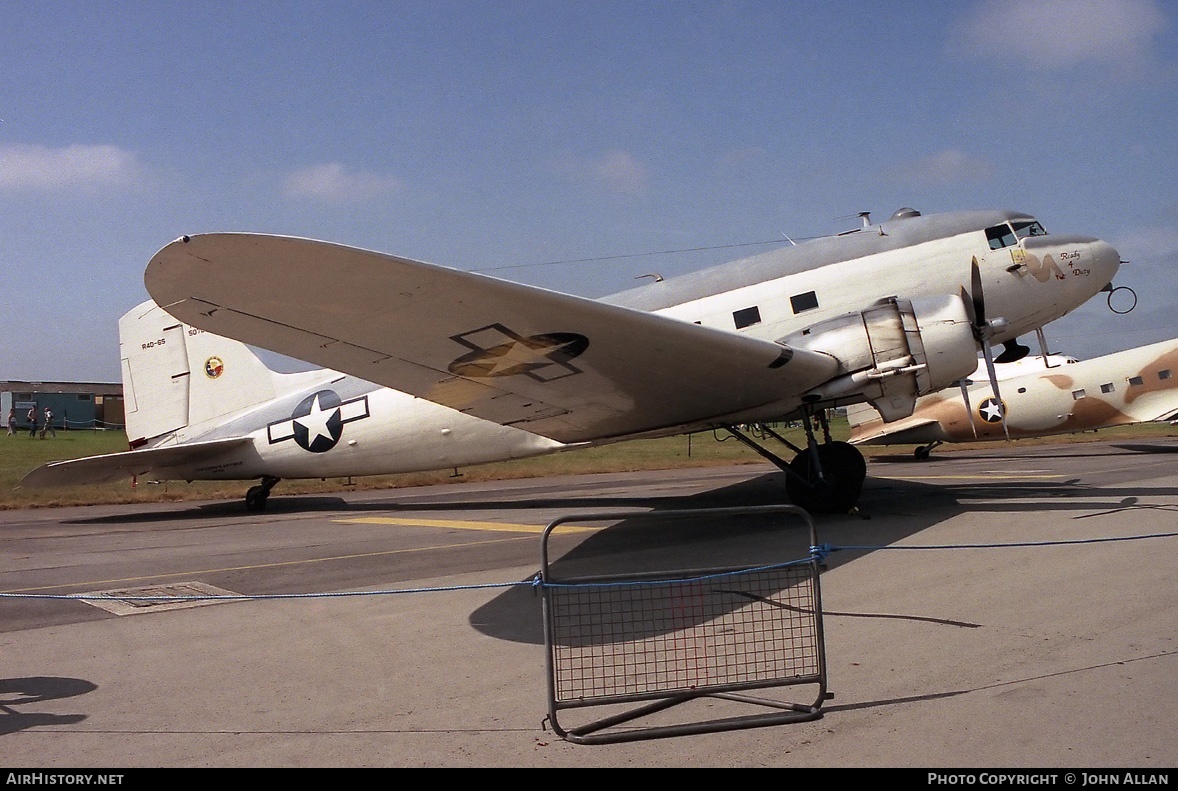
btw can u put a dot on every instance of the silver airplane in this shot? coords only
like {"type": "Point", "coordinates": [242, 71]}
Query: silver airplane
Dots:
{"type": "Point", "coordinates": [429, 367]}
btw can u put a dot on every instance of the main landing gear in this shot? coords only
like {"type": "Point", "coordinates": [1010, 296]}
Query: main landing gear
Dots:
{"type": "Point", "coordinates": [255, 498]}
{"type": "Point", "coordinates": [921, 452]}
{"type": "Point", "coordinates": [823, 478]}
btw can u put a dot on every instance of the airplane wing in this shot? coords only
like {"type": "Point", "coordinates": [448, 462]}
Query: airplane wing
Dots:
{"type": "Point", "coordinates": [117, 466]}
{"type": "Point", "coordinates": [909, 431]}
{"type": "Point", "coordinates": [561, 366]}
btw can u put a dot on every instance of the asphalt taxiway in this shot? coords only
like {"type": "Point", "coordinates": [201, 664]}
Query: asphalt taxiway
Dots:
{"type": "Point", "coordinates": [1060, 652]}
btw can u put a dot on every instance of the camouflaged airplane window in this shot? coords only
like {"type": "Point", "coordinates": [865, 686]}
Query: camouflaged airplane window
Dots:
{"type": "Point", "coordinates": [1077, 394]}
{"type": "Point", "coordinates": [1107, 388]}
{"type": "Point", "coordinates": [1165, 374]}
{"type": "Point", "coordinates": [1001, 236]}
{"type": "Point", "coordinates": [1136, 381]}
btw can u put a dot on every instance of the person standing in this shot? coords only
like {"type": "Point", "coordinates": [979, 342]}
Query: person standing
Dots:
{"type": "Point", "coordinates": [32, 416]}
{"type": "Point", "coordinates": [12, 422]}
{"type": "Point", "coordinates": [48, 424]}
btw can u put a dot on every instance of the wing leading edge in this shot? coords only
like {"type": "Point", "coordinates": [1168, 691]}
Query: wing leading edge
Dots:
{"type": "Point", "coordinates": [561, 366]}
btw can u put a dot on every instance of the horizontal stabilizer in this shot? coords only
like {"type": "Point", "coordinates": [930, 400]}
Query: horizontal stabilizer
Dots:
{"type": "Point", "coordinates": [117, 466]}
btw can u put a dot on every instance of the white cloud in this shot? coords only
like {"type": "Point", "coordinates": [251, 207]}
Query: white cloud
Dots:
{"type": "Point", "coordinates": [946, 167]}
{"type": "Point", "coordinates": [335, 183]}
{"type": "Point", "coordinates": [616, 171]}
{"type": "Point", "coordinates": [37, 167]}
{"type": "Point", "coordinates": [1058, 34]}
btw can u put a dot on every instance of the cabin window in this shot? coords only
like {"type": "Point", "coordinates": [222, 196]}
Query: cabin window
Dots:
{"type": "Point", "coordinates": [1164, 374]}
{"type": "Point", "coordinates": [1136, 381]}
{"type": "Point", "coordinates": [1077, 395]}
{"type": "Point", "coordinates": [1001, 236]}
{"type": "Point", "coordinates": [802, 302]}
{"type": "Point", "coordinates": [747, 317]}
{"type": "Point", "coordinates": [1107, 388]}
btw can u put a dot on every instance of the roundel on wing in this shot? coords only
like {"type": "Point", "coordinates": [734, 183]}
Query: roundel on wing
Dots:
{"type": "Point", "coordinates": [318, 424]}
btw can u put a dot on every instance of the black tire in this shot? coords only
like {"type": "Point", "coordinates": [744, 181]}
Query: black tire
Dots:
{"type": "Point", "coordinates": [255, 498]}
{"type": "Point", "coordinates": [844, 470]}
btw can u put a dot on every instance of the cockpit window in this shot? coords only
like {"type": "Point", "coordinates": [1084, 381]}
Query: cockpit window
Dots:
{"type": "Point", "coordinates": [1026, 228]}
{"type": "Point", "coordinates": [1007, 236]}
{"type": "Point", "coordinates": [1001, 236]}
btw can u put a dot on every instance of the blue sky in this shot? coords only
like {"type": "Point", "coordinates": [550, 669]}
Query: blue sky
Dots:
{"type": "Point", "coordinates": [503, 136]}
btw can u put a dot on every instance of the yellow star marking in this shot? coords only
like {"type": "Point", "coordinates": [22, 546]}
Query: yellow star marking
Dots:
{"type": "Point", "coordinates": [502, 527]}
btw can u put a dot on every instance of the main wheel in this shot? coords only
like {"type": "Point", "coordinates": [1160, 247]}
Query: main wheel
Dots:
{"type": "Point", "coordinates": [843, 473]}
{"type": "Point", "coordinates": [255, 498]}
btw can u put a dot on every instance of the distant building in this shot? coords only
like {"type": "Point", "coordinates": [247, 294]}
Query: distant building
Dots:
{"type": "Point", "coordinates": [74, 404]}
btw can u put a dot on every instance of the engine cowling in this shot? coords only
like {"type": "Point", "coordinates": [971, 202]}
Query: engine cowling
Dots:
{"type": "Point", "coordinates": [892, 353]}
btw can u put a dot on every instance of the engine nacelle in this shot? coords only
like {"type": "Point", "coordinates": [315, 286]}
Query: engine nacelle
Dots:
{"type": "Point", "coordinates": [892, 353]}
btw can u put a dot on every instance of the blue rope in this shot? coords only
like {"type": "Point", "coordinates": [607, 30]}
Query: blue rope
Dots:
{"type": "Point", "coordinates": [818, 552]}
{"type": "Point", "coordinates": [831, 548]}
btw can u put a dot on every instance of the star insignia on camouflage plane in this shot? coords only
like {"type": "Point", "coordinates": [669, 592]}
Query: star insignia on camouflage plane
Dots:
{"type": "Point", "coordinates": [992, 410]}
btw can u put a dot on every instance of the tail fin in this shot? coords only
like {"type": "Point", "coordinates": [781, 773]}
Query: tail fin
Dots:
{"type": "Point", "coordinates": [176, 377]}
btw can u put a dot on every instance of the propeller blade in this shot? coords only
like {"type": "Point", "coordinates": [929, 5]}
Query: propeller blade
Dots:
{"type": "Point", "coordinates": [1012, 351]}
{"type": "Point", "coordinates": [976, 293]}
{"type": "Point", "coordinates": [968, 409]}
{"type": "Point", "coordinates": [988, 353]}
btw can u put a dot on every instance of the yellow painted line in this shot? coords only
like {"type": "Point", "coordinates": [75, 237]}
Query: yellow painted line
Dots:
{"type": "Point", "coordinates": [981, 475]}
{"type": "Point", "coordinates": [501, 527]}
{"type": "Point", "coordinates": [93, 584]}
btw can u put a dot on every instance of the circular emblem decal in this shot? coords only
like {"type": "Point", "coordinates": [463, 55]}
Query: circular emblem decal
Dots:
{"type": "Point", "coordinates": [214, 367]}
{"type": "Point", "coordinates": [992, 410]}
{"type": "Point", "coordinates": [317, 422]}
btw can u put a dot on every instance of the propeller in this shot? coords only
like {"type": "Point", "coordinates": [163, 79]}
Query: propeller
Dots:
{"type": "Point", "coordinates": [983, 330]}
{"type": "Point", "coordinates": [968, 409]}
{"type": "Point", "coordinates": [1012, 352]}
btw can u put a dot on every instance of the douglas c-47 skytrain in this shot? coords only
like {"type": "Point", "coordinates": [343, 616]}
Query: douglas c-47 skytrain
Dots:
{"type": "Point", "coordinates": [434, 368]}
{"type": "Point", "coordinates": [1061, 397]}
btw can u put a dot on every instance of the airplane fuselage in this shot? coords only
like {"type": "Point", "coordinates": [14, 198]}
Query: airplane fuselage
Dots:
{"type": "Point", "coordinates": [343, 426]}
{"type": "Point", "coordinates": [1133, 386]}
{"type": "Point", "coordinates": [1024, 279]}
{"type": "Point", "coordinates": [1029, 281]}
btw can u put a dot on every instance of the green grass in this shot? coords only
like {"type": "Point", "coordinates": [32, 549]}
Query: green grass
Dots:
{"type": "Point", "coordinates": [20, 454]}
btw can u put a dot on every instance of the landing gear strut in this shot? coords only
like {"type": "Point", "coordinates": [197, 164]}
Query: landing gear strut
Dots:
{"type": "Point", "coordinates": [255, 498]}
{"type": "Point", "coordinates": [921, 452]}
{"type": "Point", "coordinates": [824, 478]}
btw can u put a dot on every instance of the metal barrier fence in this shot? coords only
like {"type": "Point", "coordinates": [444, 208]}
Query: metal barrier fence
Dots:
{"type": "Point", "coordinates": [637, 645]}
